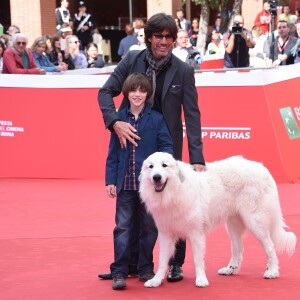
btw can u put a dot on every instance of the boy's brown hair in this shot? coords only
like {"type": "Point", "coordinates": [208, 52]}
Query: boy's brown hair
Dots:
{"type": "Point", "coordinates": [135, 81]}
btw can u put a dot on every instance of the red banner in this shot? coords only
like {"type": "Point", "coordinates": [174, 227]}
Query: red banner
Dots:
{"type": "Point", "coordinates": [58, 131]}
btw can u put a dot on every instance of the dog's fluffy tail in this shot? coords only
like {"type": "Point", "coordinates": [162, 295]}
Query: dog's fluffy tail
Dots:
{"type": "Point", "coordinates": [284, 241]}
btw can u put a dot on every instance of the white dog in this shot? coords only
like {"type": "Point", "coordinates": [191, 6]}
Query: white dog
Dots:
{"type": "Point", "coordinates": [186, 204]}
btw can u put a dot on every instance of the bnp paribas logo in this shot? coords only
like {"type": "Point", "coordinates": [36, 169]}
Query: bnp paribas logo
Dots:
{"type": "Point", "coordinates": [290, 121]}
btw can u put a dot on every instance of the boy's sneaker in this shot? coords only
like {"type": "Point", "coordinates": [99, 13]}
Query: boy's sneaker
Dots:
{"type": "Point", "coordinates": [119, 283]}
{"type": "Point", "coordinates": [146, 276]}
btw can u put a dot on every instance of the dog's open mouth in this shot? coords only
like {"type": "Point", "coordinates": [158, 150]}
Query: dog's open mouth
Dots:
{"type": "Point", "coordinates": [160, 187]}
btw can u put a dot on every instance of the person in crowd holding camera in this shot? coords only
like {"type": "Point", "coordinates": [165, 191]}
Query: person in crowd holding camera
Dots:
{"type": "Point", "coordinates": [185, 51]}
{"type": "Point", "coordinates": [237, 43]}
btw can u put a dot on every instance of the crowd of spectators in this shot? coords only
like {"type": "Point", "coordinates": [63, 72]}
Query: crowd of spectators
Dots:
{"type": "Point", "coordinates": [77, 42]}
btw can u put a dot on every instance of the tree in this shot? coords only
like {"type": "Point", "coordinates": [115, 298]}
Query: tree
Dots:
{"type": "Point", "coordinates": [206, 5]}
{"type": "Point", "coordinates": [203, 26]}
{"type": "Point", "coordinates": [224, 15]}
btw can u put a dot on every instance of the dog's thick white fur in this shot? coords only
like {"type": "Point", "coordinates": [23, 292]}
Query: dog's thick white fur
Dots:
{"type": "Point", "coordinates": [187, 204]}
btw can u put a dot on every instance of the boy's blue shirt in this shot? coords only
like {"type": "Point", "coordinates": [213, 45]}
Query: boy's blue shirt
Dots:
{"type": "Point", "coordinates": [155, 136]}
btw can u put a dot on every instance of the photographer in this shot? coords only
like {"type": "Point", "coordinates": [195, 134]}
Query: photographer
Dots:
{"type": "Point", "coordinates": [237, 43]}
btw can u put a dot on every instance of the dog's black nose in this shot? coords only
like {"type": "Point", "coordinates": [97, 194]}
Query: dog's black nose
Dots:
{"type": "Point", "coordinates": [156, 177]}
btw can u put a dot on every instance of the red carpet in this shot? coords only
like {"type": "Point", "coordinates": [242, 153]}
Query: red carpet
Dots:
{"type": "Point", "coordinates": [56, 236]}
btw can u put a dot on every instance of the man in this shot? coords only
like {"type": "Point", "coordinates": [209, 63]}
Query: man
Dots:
{"type": "Point", "coordinates": [264, 18]}
{"type": "Point", "coordinates": [127, 41]}
{"type": "Point", "coordinates": [185, 51]}
{"type": "Point", "coordinates": [7, 38]}
{"type": "Point", "coordinates": [17, 59]}
{"type": "Point", "coordinates": [184, 23]}
{"type": "Point", "coordinates": [285, 16]}
{"type": "Point", "coordinates": [237, 43]}
{"type": "Point", "coordinates": [84, 26]}
{"type": "Point", "coordinates": [174, 90]}
{"type": "Point", "coordinates": [283, 45]}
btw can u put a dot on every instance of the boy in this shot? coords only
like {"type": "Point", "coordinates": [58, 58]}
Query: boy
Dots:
{"type": "Point", "coordinates": [123, 167]}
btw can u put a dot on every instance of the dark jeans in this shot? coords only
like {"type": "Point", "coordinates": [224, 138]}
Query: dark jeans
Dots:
{"type": "Point", "coordinates": [128, 209]}
{"type": "Point", "coordinates": [179, 255]}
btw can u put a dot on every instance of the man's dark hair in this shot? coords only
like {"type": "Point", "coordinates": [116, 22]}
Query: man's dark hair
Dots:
{"type": "Point", "coordinates": [158, 23]}
{"type": "Point", "coordinates": [135, 81]}
{"type": "Point", "coordinates": [282, 21]}
{"type": "Point", "coordinates": [129, 29]}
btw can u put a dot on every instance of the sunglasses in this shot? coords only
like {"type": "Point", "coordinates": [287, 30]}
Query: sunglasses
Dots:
{"type": "Point", "coordinates": [21, 43]}
{"type": "Point", "coordinates": [159, 37]}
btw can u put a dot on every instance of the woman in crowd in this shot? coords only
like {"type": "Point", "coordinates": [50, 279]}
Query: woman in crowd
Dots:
{"type": "Point", "coordinates": [256, 54]}
{"type": "Point", "coordinates": [73, 52]}
{"type": "Point", "coordinates": [38, 49]}
{"type": "Point", "coordinates": [97, 39]}
{"type": "Point", "coordinates": [193, 32]}
{"type": "Point", "coordinates": [141, 45]}
{"type": "Point", "coordinates": [95, 60]}
{"type": "Point", "coordinates": [48, 39]}
{"type": "Point", "coordinates": [57, 55]}
{"type": "Point", "coordinates": [216, 46]}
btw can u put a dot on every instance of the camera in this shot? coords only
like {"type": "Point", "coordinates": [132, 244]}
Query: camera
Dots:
{"type": "Point", "coordinates": [273, 7]}
{"type": "Point", "coordinates": [196, 56]}
{"type": "Point", "coordinates": [236, 28]}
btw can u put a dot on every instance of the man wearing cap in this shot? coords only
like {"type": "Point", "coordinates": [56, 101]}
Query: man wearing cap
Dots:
{"type": "Point", "coordinates": [84, 26]}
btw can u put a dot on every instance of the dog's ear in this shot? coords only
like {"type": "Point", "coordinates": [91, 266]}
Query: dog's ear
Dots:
{"type": "Point", "coordinates": [180, 173]}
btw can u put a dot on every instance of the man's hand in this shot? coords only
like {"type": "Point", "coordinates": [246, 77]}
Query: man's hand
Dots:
{"type": "Point", "coordinates": [40, 71]}
{"type": "Point", "coordinates": [126, 132]}
{"type": "Point", "coordinates": [111, 190]}
{"type": "Point", "coordinates": [199, 168]}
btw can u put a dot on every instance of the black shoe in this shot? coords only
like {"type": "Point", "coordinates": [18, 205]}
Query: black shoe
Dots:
{"type": "Point", "coordinates": [146, 276]}
{"type": "Point", "coordinates": [105, 276]}
{"type": "Point", "coordinates": [119, 283]}
{"type": "Point", "coordinates": [175, 273]}
{"type": "Point", "coordinates": [132, 271]}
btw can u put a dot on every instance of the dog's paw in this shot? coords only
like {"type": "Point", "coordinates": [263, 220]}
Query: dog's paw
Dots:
{"type": "Point", "coordinates": [202, 282]}
{"type": "Point", "coordinates": [269, 274]}
{"type": "Point", "coordinates": [228, 271]}
{"type": "Point", "coordinates": [154, 282]}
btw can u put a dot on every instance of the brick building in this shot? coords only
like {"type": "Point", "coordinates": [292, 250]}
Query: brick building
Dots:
{"type": "Point", "coordinates": [36, 17]}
